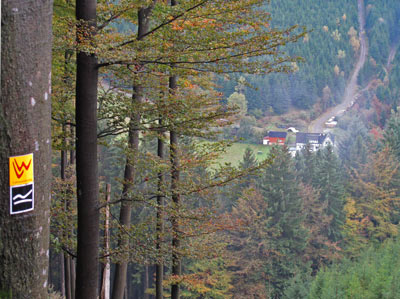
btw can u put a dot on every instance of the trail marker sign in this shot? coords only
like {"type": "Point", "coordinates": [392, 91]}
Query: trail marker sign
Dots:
{"type": "Point", "coordinates": [21, 184]}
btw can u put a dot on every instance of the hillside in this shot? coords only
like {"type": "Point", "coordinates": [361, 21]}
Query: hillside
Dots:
{"type": "Point", "coordinates": [330, 50]}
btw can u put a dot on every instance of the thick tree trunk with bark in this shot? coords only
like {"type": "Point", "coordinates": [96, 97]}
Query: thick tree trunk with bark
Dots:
{"type": "Point", "coordinates": [87, 273]}
{"type": "Point", "coordinates": [25, 116]}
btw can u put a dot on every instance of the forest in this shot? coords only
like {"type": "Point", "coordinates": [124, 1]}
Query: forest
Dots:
{"type": "Point", "coordinates": [133, 164]}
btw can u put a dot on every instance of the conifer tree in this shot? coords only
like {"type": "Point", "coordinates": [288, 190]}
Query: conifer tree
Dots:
{"type": "Point", "coordinates": [249, 243]}
{"type": "Point", "coordinates": [392, 134]}
{"type": "Point", "coordinates": [328, 181]}
{"type": "Point", "coordinates": [287, 236]}
{"type": "Point", "coordinates": [372, 209]}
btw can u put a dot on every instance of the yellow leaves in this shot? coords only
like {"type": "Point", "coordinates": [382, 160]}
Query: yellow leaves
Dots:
{"type": "Point", "coordinates": [373, 202]}
{"type": "Point", "coordinates": [188, 84]}
{"type": "Point", "coordinates": [350, 207]}
{"type": "Point", "coordinates": [355, 43]}
{"type": "Point", "coordinates": [196, 23]}
{"type": "Point", "coordinates": [336, 70]}
{"type": "Point", "coordinates": [177, 25]}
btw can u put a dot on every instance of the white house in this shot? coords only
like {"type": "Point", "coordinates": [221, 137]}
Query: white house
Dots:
{"type": "Point", "coordinates": [315, 140]}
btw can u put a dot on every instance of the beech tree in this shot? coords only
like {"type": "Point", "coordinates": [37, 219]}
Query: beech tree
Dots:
{"type": "Point", "coordinates": [228, 39]}
{"type": "Point", "coordinates": [25, 128]}
{"type": "Point", "coordinates": [130, 166]}
{"type": "Point", "coordinates": [87, 273]}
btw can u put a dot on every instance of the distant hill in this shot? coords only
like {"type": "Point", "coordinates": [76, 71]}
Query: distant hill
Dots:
{"type": "Point", "coordinates": [330, 51]}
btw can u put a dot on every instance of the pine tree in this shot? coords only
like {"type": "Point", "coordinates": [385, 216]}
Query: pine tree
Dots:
{"type": "Point", "coordinates": [328, 181]}
{"type": "Point", "coordinates": [287, 236]}
{"type": "Point", "coordinates": [249, 243]}
{"type": "Point", "coordinates": [372, 209]}
{"type": "Point", "coordinates": [392, 134]}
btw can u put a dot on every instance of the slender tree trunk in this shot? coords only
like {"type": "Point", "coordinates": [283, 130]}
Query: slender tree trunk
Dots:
{"type": "Point", "coordinates": [160, 220]}
{"type": "Point", "coordinates": [87, 276]}
{"type": "Point", "coordinates": [105, 286]}
{"type": "Point", "coordinates": [66, 278]}
{"type": "Point", "coordinates": [119, 285]}
{"type": "Point", "coordinates": [72, 264]}
{"type": "Point", "coordinates": [145, 282]}
{"type": "Point", "coordinates": [72, 150]}
{"type": "Point", "coordinates": [73, 277]}
{"type": "Point", "coordinates": [62, 274]}
{"type": "Point", "coordinates": [175, 174]}
{"type": "Point", "coordinates": [66, 282]}
{"type": "Point", "coordinates": [176, 261]}
{"type": "Point", "coordinates": [125, 212]}
{"type": "Point", "coordinates": [25, 117]}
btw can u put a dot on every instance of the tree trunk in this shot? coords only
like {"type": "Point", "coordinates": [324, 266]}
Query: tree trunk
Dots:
{"type": "Point", "coordinates": [145, 282]}
{"type": "Point", "coordinates": [67, 283]}
{"type": "Point", "coordinates": [25, 116]}
{"type": "Point", "coordinates": [105, 286]}
{"type": "Point", "coordinates": [176, 261]}
{"type": "Point", "coordinates": [160, 221]}
{"type": "Point", "coordinates": [62, 274]}
{"type": "Point", "coordinates": [175, 173]}
{"type": "Point", "coordinates": [125, 212]}
{"type": "Point", "coordinates": [87, 273]}
{"type": "Point", "coordinates": [73, 277]}
{"type": "Point", "coordinates": [67, 279]}
{"type": "Point", "coordinates": [133, 144]}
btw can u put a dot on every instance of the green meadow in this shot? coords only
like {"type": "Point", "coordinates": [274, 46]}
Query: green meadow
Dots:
{"type": "Point", "coordinates": [235, 152]}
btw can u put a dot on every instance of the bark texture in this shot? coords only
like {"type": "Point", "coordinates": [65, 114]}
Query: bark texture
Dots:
{"type": "Point", "coordinates": [25, 115]}
{"type": "Point", "coordinates": [87, 273]}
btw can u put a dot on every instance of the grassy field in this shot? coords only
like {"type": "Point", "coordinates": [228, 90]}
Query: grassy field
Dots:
{"type": "Point", "coordinates": [234, 153]}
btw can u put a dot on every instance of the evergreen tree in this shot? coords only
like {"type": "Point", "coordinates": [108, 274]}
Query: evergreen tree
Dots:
{"type": "Point", "coordinates": [249, 159]}
{"type": "Point", "coordinates": [328, 180]}
{"type": "Point", "coordinates": [249, 162]}
{"type": "Point", "coordinates": [392, 134]}
{"type": "Point", "coordinates": [375, 274]}
{"type": "Point", "coordinates": [250, 243]}
{"type": "Point", "coordinates": [286, 234]}
{"type": "Point", "coordinates": [372, 208]}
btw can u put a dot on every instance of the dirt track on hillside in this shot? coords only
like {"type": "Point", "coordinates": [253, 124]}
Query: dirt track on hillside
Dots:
{"type": "Point", "coordinates": [350, 93]}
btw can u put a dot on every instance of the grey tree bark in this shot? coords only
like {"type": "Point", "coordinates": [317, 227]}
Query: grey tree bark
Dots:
{"type": "Point", "coordinates": [25, 116]}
